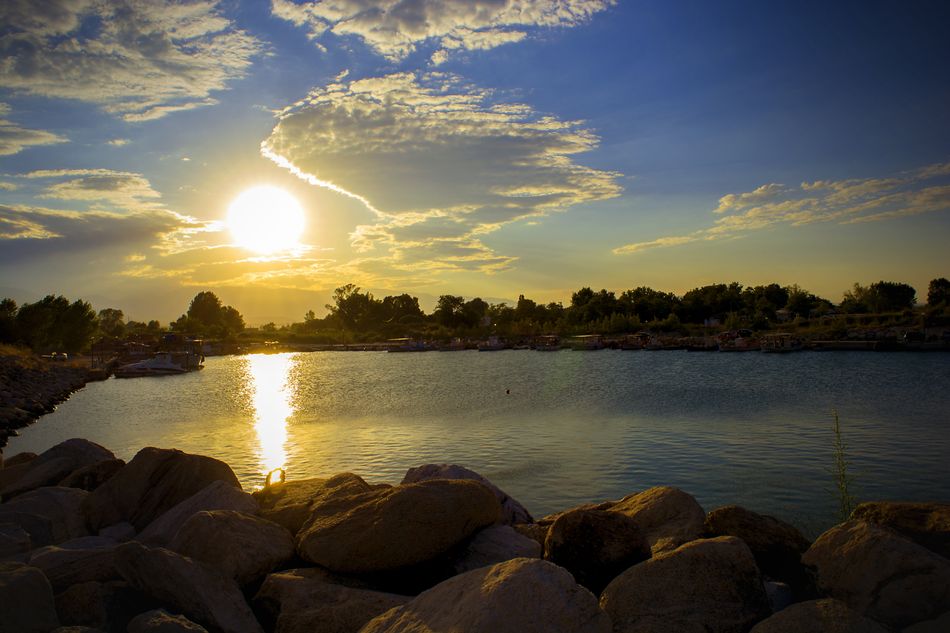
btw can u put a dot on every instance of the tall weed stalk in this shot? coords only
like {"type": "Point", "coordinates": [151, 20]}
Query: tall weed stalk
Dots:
{"type": "Point", "coordinates": [844, 483]}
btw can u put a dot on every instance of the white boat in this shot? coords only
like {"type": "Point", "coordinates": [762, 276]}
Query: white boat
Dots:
{"type": "Point", "coordinates": [165, 364]}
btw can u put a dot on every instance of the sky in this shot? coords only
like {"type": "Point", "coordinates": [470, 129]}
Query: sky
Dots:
{"type": "Point", "coordinates": [486, 148]}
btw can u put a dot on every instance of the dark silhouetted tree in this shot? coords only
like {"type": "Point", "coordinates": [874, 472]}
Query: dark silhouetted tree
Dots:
{"type": "Point", "coordinates": [112, 322]}
{"type": "Point", "coordinates": [938, 292]}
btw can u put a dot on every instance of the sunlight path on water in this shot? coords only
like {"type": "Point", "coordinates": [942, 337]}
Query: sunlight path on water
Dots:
{"type": "Point", "coordinates": [269, 378]}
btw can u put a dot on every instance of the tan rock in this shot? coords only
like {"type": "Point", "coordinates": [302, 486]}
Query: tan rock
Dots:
{"type": "Point", "coordinates": [389, 528]}
{"type": "Point", "coordinates": [56, 463]}
{"type": "Point", "coordinates": [19, 459]}
{"type": "Point", "coordinates": [495, 544]}
{"type": "Point", "coordinates": [667, 516]}
{"type": "Point", "coordinates": [289, 503]}
{"type": "Point", "coordinates": [926, 524]}
{"type": "Point", "coordinates": [307, 601]}
{"type": "Point", "coordinates": [517, 596]}
{"type": "Point", "coordinates": [595, 545]}
{"type": "Point", "coordinates": [77, 561]}
{"type": "Point", "coordinates": [161, 621]}
{"type": "Point", "coordinates": [879, 573]}
{"type": "Point", "coordinates": [199, 592]}
{"type": "Point", "coordinates": [512, 512]}
{"type": "Point", "coordinates": [534, 531]}
{"type": "Point", "coordinates": [818, 616]}
{"type": "Point", "coordinates": [709, 582]}
{"type": "Point", "coordinates": [243, 547]}
{"type": "Point", "coordinates": [152, 483]}
{"type": "Point", "coordinates": [776, 545]}
{"type": "Point", "coordinates": [26, 600]}
{"type": "Point", "coordinates": [218, 495]}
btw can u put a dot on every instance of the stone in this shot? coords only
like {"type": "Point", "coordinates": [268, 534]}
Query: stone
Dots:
{"type": "Point", "coordinates": [289, 503]}
{"type": "Point", "coordinates": [155, 481]}
{"type": "Point", "coordinates": [19, 459]}
{"type": "Point", "coordinates": [518, 596]}
{"type": "Point", "coordinates": [15, 543]}
{"type": "Point", "coordinates": [937, 625]}
{"type": "Point", "coordinates": [389, 528]}
{"type": "Point", "coordinates": [780, 595]}
{"type": "Point", "coordinates": [76, 629]}
{"type": "Point", "coordinates": [26, 600]}
{"type": "Point", "coordinates": [244, 547]}
{"type": "Point", "coordinates": [218, 495]}
{"type": "Point", "coordinates": [534, 531]}
{"type": "Point", "coordinates": [107, 606]}
{"type": "Point", "coordinates": [776, 545]}
{"type": "Point", "coordinates": [926, 524]}
{"type": "Point", "coordinates": [12, 474]}
{"type": "Point", "coordinates": [120, 532]}
{"type": "Point", "coordinates": [667, 516]}
{"type": "Point", "coordinates": [199, 592]}
{"type": "Point", "coordinates": [50, 515]}
{"type": "Point", "coordinates": [495, 544]}
{"type": "Point", "coordinates": [77, 561]}
{"type": "Point", "coordinates": [512, 512]}
{"type": "Point", "coordinates": [818, 616]}
{"type": "Point", "coordinates": [879, 573]}
{"type": "Point", "coordinates": [307, 601]}
{"type": "Point", "coordinates": [56, 463]}
{"type": "Point", "coordinates": [161, 621]}
{"type": "Point", "coordinates": [595, 545]}
{"type": "Point", "coordinates": [92, 476]}
{"type": "Point", "coordinates": [710, 583]}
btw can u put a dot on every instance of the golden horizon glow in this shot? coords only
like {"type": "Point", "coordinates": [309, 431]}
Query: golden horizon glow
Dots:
{"type": "Point", "coordinates": [273, 404]}
{"type": "Point", "coordinates": [266, 220]}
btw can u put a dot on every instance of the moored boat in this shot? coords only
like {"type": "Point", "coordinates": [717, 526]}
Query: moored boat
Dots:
{"type": "Point", "coordinates": [164, 364]}
{"type": "Point", "coordinates": [781, 343]}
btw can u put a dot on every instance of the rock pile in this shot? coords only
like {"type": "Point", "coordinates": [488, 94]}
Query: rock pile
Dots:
{"type": "Point", "coordinates": [170, 542]}
{"type": "Point", "coordinates": [31, 387]}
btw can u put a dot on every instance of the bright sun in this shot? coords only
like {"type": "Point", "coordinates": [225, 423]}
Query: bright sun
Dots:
{"type": "Point", "coordinates": [266, 220]}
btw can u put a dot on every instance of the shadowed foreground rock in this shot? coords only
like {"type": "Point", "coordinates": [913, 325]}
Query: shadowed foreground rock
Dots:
{"type": "Point", "coordinates": [26, 600]}
{"type": "Point", "coordinates": [161, 621]}
{"type": "Point", "coordinates": [818, 616]}
{"type": "Point", "coordinates": [667, 516]}
{"type": "Point", "coordinates": [390, 528]}
{"type": "Point", "coordinates": [926, 524]}
{"type": "Point", "coordinates": [512, 512]}
{"type": "Point", "coordinates": [518, 596]}
{"type": "Point", "coordinates": [881, 574]}
{"type": "Point", "coordinates": [710, 585]}
{"type": "Point", "coordinates": [218, 495]}
{"type": "Point", "coordinates": [56, 464]}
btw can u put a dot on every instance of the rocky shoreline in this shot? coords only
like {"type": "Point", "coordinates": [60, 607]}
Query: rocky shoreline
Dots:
{"type": "Point", "coordinates": [170, 542]}
{"type": "Point", "coordinates": [31, 387]}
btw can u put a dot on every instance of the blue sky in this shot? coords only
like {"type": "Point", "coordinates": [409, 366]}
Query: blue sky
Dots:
{"type": "Point", "coordinates": [485, 148]}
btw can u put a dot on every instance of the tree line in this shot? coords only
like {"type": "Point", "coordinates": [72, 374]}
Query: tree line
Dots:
{"type": "Point", "coordinates": [56, 324]}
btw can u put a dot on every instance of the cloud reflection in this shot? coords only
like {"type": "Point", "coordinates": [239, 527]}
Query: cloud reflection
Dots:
{"type": "Point", "coordinates": [272, 399]}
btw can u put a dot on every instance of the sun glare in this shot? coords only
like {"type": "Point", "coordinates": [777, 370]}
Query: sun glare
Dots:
{"type": "Point", "coordinates": [266, 220]}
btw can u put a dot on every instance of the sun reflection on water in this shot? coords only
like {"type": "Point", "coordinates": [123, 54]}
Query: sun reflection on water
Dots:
{"type": "Point", "coordinates": [272, 399]}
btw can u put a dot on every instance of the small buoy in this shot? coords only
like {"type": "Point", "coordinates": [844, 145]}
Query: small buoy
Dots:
{"type": "Point", "coordinates": [508, 391]}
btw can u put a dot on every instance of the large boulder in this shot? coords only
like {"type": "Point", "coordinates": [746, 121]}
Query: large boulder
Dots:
{"type": "Point", "coordinates": [879, 573]}
{"type": "Point", "coordinates": [26, 600]}
{"type": "Point", "coordinates": [776, 545]}
{"type": "Point", "coordinates": [926, 524]}
{"type": "Point", "coordinates": [818, 616]}
{"type": "Point", "coordinates": [518, 596]}
{"type": "Point", "coordinates": [390, 528]}
{"type": "Point", "coordinates": [50, 515]}
{"type": "Point", "coordinates": [197, 591]}
{"type": "Point", "coordinates": [218, 495]}
{"type": "Point", "coordinates": [939, 624]}
{"type": "Point", "coordinates": [667, 516]}
{"type": "Point", "coordinates": [107, 606]}
{"type": "Point", "coordinates": [595, 545]}
{"type": "Point", "coordinates": [710, 585]}
{"type": "Point", "coordinates": [92, 476]}
{"type": "Point", "coordinates": [512, 512]}
{"type": "Point", "coordinates": [151, 484]}
{"type": "Point", "coordinates": [161, 621]}
{"type": "Point", "coordinates": [289, 503]}
{"type": "Point", "coordinates": [495, 544]}
{"type": "Point", "coordinates": [307, 601]}
{"type": "Point", "coordinates": [80, 560]}
{"type": "Point", "coordinates": [241, 546]}
{"type": "Point", "coordinates": [56, 463]}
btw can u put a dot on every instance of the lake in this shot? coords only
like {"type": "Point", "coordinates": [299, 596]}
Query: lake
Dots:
{"type": "Point", "coordinates": [552, 429]}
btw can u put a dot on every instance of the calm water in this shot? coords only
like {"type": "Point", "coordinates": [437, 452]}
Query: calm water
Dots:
{"type": "Point", "coordinates": [753, 429]}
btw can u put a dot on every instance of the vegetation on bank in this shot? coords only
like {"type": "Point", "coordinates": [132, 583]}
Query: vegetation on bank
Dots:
{"type": "Point", "coordinates": [56, 324]}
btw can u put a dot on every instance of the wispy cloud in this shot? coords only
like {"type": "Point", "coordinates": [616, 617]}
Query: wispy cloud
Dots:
{"type": "Point", "coordinates": [396, 28]}
{"type": "Point", "coordinates": [140, 59]}
{"type": "Point", "coordinates": [438, 162]}
{"type": "Point", "coordinates": [851, 201]}
{"type": "Point", "coordinates": [119, 142]}
{"type": "Point", "coordinates": [14, 139]}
